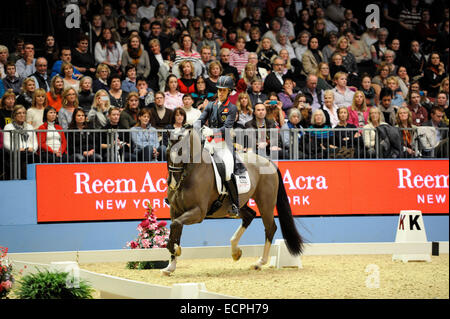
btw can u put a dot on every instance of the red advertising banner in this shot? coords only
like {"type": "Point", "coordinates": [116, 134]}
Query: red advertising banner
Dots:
{"type": "Point", "coordinates": [96, 192]}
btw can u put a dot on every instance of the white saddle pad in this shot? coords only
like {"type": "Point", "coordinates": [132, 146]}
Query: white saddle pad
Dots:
{"type": "Point", "coordinates": [242, 181]}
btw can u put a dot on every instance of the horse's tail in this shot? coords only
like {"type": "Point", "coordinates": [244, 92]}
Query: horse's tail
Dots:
{"type": "Point", "coordinates": [293, 239]}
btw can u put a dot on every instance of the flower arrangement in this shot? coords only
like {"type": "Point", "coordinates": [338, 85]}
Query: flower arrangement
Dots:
{"type": "Point", "coordinates": [6, 277]}
{"type": "Point", "coordinates": [152, 234]}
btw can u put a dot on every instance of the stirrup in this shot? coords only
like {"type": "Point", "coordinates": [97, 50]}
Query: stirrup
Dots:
{"type": "Point", "coordinates": [234, 213]}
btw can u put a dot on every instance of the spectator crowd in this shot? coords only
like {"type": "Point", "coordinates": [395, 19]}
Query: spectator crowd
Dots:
{"type": "Point", "coordinates": [332, 83]}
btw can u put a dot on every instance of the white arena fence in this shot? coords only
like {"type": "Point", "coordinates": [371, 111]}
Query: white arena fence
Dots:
{"type": "Point", "coordinates": [115, 287]}
{"type": "Point", "coordinates": [293, 144]}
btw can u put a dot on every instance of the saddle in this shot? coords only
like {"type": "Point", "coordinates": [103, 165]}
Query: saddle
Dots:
{"type": "Point", "coordinates": [240, 174]}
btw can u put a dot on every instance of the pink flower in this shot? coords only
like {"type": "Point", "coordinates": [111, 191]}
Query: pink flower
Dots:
{"type": "Point", "coordinates": [145, 243]}
{"type": "Point", "coordinates": [144, 224]}
{"type": "Point", "coordinates": [162, 223]}
{"type": "Point", "coordinates": [133, 244]}
{"type": "Point", "coordinates": [7, 284]}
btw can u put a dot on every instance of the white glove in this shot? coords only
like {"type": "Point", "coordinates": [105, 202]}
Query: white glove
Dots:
{"type": "Point", "coordinates": [207, 132]}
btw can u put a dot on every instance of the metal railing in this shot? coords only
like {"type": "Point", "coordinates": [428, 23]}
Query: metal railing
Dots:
{"type": "Point", "coordinates": [96, 146]}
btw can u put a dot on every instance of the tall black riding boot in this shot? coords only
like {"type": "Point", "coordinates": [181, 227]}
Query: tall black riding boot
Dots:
{"type": "Point", "coordinates": [233, 194]}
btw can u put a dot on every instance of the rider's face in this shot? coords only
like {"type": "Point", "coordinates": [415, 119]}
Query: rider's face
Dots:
{"type": "Point", "coordinates": [222, 94]}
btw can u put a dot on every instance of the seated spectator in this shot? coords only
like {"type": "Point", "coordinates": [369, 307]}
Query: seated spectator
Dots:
{"type": "Point", "coordinates": [371, 91]}
{"type": "Point", "coordinates": [66, 56]}
{"type": "Point", "coordinates": [287, 96]}
{"type": "Point", "coordinates": [347, 137]}
{"type": "Point", "coordinates": [348, 59]}
{"type": "Point", "coordinates": [336, 65]}
{"type": "Point", "coordinates": [274, 109]}
{"type": "Point", "coordinates": [386, 107]}
{"type": "Point", "coordinates": [358, 111]}
{"type": "Point", "coordinates": [403, 79]}
{"type": "Point", "coordinates": [301, 45]}
{"type": "Point", "coordinates": [419, 113]}
{"type": "Point", "coordinates": [187, 50]}
{"type": "Point", "coordinates": [129, 84]}
{"type": "Point", "coordinates": [370, 133]}
{"type": "Point", "coordinates": [6, 108]}
{"type": "Point", "coordinates": [415, 61]}
{"type": "Point", "coordinates": [397, 94]}
{"type": "Point", "coordinates": [378, 49]}
{"type": "Point", "coordinates": [225, 62]}
{"type": "Point", "coordinates": [434, 74]}
{"type": "Point", "coordinates": [305, 109]}
{"type": "Point", "coordinates": [389, 58]}
{"type": "Point", "coordinates": [260, 140]}
{"type": "Point", "coordinates": [239, 55]}
{"type": "Point", "coordinates": [201, 96]}
{"type": "Point", "coordinates": [158, 68]}
{"type": "Point", "coordinates": [324, 81]}
{"type": "Point", "coordinates": [343, 96]}
{"type": "Point", "coordinates": [274, 81]}
{"type": "Point", "coordinates": [26, 144]}
{"type": "Point", "coordinates": [436, 116]}
{"type": "Point", "coordinates": [177, 122]}
{"type": "Point", "coordinates": [312, 57]}
{"type": "Point", "coordinates": [192, 114]}
{"type": "Point", "coordinates": [319, 143]}
{"type": "Point", "coordinates": [215, 70]}
{"type": "Point", "coordinates": [260, 70]}
{"type": "Point", "coordinates": [186, 82]}
{"type": "Point", "coordinates": [69, 81]}
{"type": "Point", "coordinates": [119, 149]}
{"type": "Point", "coordinates": [82, 58]}
{"type": "Point", "coordinates": [284, 44]}
{"type": "Point", "coordinates": [292, 130]}
{"type": "Point", "coordinates": [52, 142]}
{"type": "Point", "coordinates": [27, 140]}
{"type": "Point", "coordinates": [98, 114]}
{"type": "Point", "coordinates": [255, 38]}
{"type": "Point", "coordinates": [128, 117]}
{"type": "Point", "coordinates": [145, 139]}
{"type": "Point", "coordinates": [82, 146]}
{"type": "Point", "coordinates": [25, 97]}
{"type": "Point", "coordinates": [255, 92]}
{"type": "Point", "coordinates": [442, 101]}
{"type": "Point", "coordinates": [146, 95]}
{"type": "Point", "coordinates": [108, 51]}
{"type": "Point", "coordinates": [11, 81]}
{"type": "Point", "coordinates": [41, 77]}
{"type": "Point", "coordinates": [329, 109]}
{"type": "Point", "coordinates": [69, 104]}
{"type": "Point", "coordinates": [361, 52]}
{"type": "Point", "coordinates": [85, 94]}
{"type": "Point", "coordinates": [160, 115]}
{"type": "Point", "coordinates": [314, 96]}
{"type": "Point", "coordinates": [330, 47]}
{"type": "Point", "coordinates": [424, 100]}
{"type": "Point", "coordinates": [136, 55]}
{"type": "Point", "coordinates": [26, 65]}
{"type": "Point", "coordinates": [54, 96]}
{"type": "Point", "coordinates": [265, 53]}
{"type": "Point", "coordinates": [408, 131]}
{"type": "Point", "coordinates": [244, 107]}
{"type": "Point", "coordinates": [36, 111]}
{"type": "Point", "coordinates": [248, 75]}
{"type": "Point", "coordinates": [382, 75]}
{"type": "Point", "coordinates": [117, 95]}
{"type": "Point", "coordinates": [101, 78]}
{"type": "Point", "coordinates": [173, 97]}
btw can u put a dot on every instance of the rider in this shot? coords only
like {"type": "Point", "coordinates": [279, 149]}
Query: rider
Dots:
{"type": "Point", "coordinates": [221, 115]}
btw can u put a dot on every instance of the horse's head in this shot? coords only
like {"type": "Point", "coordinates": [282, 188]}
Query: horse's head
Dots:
{"type": "Point", "coordinates": [183, 144]}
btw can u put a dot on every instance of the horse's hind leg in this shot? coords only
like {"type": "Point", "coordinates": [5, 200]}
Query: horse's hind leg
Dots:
{"type": "Point", "coordinates": [247, 215]}
{"type": "Point", "coordinates": [266, 210]}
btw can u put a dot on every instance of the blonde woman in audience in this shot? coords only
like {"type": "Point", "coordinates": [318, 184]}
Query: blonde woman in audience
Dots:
{"type": "Point", "coordinates": [370, 130]}
{"type": "Point", "coordinates": [54, 96]}
{"type": "Point", "coordinates": [69, 104]}
{"type": "Point", "coordinates": [67, 73]}
{"type": "Point", "coordinates": [36, 112]}
{"type": "Point", "coordinates": [98, 114]}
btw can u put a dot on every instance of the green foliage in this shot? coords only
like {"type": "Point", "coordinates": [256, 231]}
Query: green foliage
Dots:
{"type": "Point", "coordinates": [53, 285]}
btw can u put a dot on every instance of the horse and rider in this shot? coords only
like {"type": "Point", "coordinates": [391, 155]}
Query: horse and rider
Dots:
{"type": "Point", "coordinates": [193, 192]}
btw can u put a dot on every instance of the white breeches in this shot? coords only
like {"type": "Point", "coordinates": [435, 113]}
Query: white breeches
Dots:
{"type": "Point", "coordinates": [222, 152]}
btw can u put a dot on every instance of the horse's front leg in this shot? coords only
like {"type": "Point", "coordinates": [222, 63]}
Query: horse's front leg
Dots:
{"type": "Point", "coordinates": [192, 216]}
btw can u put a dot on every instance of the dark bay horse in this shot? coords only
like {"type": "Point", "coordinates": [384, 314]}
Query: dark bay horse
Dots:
{"type": "Point", "coordinates": [192, 191]}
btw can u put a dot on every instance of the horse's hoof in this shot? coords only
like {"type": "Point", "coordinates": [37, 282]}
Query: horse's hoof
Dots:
{"type": "Point", "coordinates": [165, 272]}
{"type": "Point", "coordinates": [237, 255]}
{"type": "Point", "coordinates": [177, 250]}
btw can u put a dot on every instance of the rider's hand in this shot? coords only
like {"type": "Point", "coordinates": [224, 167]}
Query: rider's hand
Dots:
{"type": "Point", "coordinates": [207, 132]}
